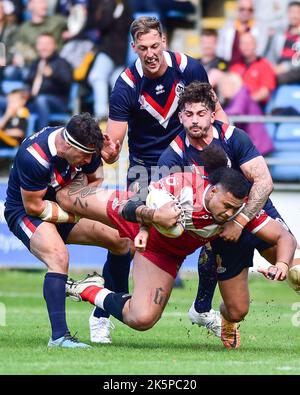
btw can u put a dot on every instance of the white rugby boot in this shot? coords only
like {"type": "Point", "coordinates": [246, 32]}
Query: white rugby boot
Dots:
{"type": "Point", "coordinates": [211, 320]}
{"type": "Point", "coordinates": [100, 329]}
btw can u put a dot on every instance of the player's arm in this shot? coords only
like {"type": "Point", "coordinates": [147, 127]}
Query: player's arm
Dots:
{"type": "Point", "coordinates": [113, 140]}
{"type": "Point", "coordinates": [256, 171]}
{"type": "Point", "coordinates": [45, 209]}
{"type": "Point", "coordinates": [134, 210]}
{"type": "Point", "coordinates": [275, 234]}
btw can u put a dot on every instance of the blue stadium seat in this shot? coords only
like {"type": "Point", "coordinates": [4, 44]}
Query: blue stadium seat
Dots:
{"type": "Point", "coordinates": [286, 96]}
{"type": "Point", "coordinates": [11, 152]}
{"type": "Point", "coordinates": [287, 137]}
{"type": "Point", "coordinates": [63, 117]}
{"type": "Point", "coordinates": [285, 172]}
{"type": "Point", "coordinates": [8, 86]}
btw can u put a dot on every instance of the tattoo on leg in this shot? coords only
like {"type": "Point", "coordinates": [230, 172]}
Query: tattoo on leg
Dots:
{"type": "Point", "coordinates": [158, 297]}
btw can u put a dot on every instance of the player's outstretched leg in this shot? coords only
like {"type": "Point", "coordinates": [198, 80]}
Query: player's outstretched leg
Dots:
{"type": "Point", "coordinates": [152, 287]}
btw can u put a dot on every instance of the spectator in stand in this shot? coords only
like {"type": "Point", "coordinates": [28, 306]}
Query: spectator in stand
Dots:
{"type": "Point", "coordinates": [50, 79]}
{"type": "Point", "coordinates": [7, 31]}
{"type": "Point", "coordinates": [116, 18]}
{"type": "Point", "coordinates": [24, 51]}
{"type": "Point", "coordinates": [13, 123]}
{"type": "Point", "coordinates": [257, 73]}
{"type": "Point", "coordinates": [285, 51]}
{"type": "Point", "coordinates": [213, 64]}
{"type": "Point", "coordinates": [229, 36]}
{"type": "Point", "coordinates": [236, 100]}
{"type": "Point", "coordinates": [271, 14]}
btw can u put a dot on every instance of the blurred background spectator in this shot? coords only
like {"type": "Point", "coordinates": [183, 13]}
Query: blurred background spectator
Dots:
{"type": "Point", "coordinates": [271, 15]}
{"type": "Point", "coordinates": [213, 64]}
{"type": "Point", "coordinates": [14, 121]}
{"type": "Point", "coordinates": [257, 73]}
{"type": "Point", "coordinates": [236, 100]}
{"type": "Point", "coordinates": [229, 36]}
{"type": "Point", "coordinates": [50, 79]}
{"type": "Point", "coordinates": [285, 49]}
{"type": "Point", "coordinates": [24, 50]}
{"type": "Point", "coordinates": [114, 23]}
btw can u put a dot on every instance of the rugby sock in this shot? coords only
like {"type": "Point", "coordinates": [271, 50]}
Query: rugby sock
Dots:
{"type": "Point", "coordinates": [103, 298]}
{"type": "Point", "coordinates": [54, 291]}
{"type": "Point", "coordinates": [207, 280]}
{"type": "Point", "coordinates": [114, 303]}
{"type": "Point", "coordinates": [115, 272]}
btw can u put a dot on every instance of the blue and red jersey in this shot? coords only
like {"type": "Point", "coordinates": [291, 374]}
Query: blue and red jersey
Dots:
{"type": "Point", "coordinates": [150, 106]}
{"type": "Point", "coordinates": [37, 167]}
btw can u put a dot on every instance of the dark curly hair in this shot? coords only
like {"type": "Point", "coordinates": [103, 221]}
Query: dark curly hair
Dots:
{"type": "Point", "coordinates": [198, 92]}
{"type": "Point", "coordinates": [231, 181]}
{"type": "Point", "coordinates": [85, 129]}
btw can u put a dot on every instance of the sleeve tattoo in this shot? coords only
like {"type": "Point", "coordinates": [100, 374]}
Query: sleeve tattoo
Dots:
{"type": "Point", "coordinates": [260, 190]}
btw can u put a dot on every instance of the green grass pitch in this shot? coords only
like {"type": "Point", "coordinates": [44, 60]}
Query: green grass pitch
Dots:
{"type": "Point", "coordinates": [270, 342]}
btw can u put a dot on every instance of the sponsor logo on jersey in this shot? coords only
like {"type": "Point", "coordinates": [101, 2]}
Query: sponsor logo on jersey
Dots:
{"type": "Point", "coordinates": [159, 89]}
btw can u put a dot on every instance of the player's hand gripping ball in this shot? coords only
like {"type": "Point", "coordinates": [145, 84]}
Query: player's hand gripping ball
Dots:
{"type": "Point", "coordinates": [157, 198]}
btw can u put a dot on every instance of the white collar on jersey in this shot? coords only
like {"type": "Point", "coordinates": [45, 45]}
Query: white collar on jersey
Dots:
{"type": "Point", "coordinates": [203, 197]}
{"type": "Point", "coordinates": [51, 141]}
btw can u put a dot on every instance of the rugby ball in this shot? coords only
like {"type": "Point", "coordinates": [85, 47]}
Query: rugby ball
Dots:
{"type": "Point", "coordinates": [157, 198]}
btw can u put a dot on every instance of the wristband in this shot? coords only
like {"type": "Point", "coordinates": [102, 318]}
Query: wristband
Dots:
{"type": "Point", "coordinates": [55, 214]}
{"type": "Point", "coordinates": [129, 210]}
{"type": "Point", "coordinates": [242, 219]}
{"type": "Point", "coordinates": [236, 222]}
{"type": "Point", "coordinates": [283, 263]}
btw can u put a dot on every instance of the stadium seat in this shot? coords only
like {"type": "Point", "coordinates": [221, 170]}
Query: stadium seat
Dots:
{"type": "Point", "coordinates": [286, 96]}
{"type": "Point", "coordinates": [73, 106]}
{"type": "Point", "coordinates": [11, 152]}
{"type": "Point", "coordinates": [285, 172]}
{"type": "Point", "coordinates": [8, 86]}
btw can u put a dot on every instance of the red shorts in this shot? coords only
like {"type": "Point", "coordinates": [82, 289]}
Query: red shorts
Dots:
{"type": "Point", "coordinates": [164, 252]}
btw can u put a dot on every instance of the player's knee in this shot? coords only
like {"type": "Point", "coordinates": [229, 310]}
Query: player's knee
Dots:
{"type": "Point", "coordinates": [58, 260]}
{"type": "Point", "coordinates": [238, 313]}
{"type": "Point", "coordinates": [121, 246]}
{"type": "Point", "coordinates": [142, 321]}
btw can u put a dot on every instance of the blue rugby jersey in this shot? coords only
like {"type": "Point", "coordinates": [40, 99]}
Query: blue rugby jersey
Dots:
{"type": "Point", "coordinates": [235, 142]}
{"type": "Point", "coordinates": [150, 106]}
{"type": "Point", "coordinates": [237, 145]}
{"type": "Point", "coordinates": [37, 167]}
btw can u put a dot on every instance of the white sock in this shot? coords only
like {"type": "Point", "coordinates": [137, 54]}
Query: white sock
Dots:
{"type": "Point", "coordinates": [100, 297]}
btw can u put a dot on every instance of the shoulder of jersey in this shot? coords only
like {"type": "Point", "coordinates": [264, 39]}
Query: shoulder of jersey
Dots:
{"type": "Point", "coordinates": [133, 73]}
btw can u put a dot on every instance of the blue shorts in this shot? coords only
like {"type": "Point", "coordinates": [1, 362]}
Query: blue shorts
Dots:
{"type": "Point", "coordinates": [232, 258]}
{"type": "Point", "coordinates": [24, 226]}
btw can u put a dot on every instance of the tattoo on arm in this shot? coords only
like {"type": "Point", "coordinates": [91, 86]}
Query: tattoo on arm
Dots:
{"type": "Point", "coordinates": [259, 192]}
{"type": "Point", "coordinates": [158, 297]}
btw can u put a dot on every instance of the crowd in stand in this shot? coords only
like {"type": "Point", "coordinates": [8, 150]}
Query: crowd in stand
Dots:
{"type": "Point", "coordinates": [52, 43]}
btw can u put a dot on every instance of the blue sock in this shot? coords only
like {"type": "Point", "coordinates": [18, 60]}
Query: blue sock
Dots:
{"type": "Point", "coordinates": [114, 303]}
{"type": "Point", "coordinates": [115, 272]}
{"type": "Point", "coordinates": [207, 280]}
{"type": "Point", "coordinates": [55, 296]}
